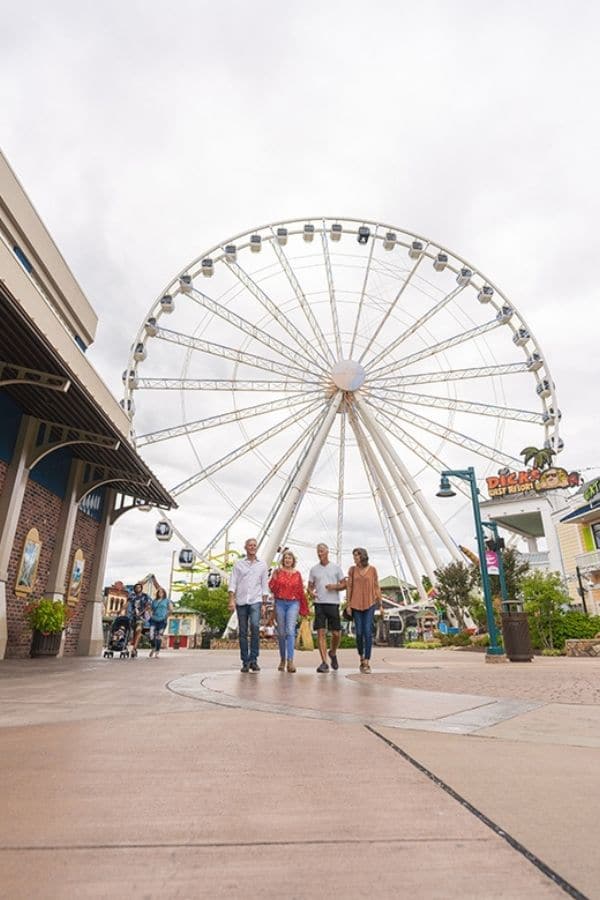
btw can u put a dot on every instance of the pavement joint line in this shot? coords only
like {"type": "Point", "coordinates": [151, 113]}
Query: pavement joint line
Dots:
{"type": "Point", "coordinates": [531, 857]}
{"type": "Point", "coordinates": [209, 845]}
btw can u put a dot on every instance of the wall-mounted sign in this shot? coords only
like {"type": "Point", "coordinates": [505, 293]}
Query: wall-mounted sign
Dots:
{"type": "Point", "coordinates": [592, 490]}
{"type": "Point", "coordinates": [76, 578]}
{"type": "Point", "coordinates": [531, 480]}
{"type": "Point", "coordinates": [29, 562]}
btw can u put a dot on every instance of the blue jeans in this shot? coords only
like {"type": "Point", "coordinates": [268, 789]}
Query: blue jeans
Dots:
{"type": "Point", "coordinates": [157, 628]}
{"type": "Point", "coordinates": [363, 628]}
{"type": "Point", "coordinates": [287, 616]}
{"type": "Point", "coordinates": [249, 614]}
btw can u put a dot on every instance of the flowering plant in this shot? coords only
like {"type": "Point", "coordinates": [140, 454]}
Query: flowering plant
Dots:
{"type": "Point", "coordinates": [46, 615]}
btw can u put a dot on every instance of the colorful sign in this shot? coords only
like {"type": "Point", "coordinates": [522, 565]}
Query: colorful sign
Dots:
{"type": "Point", "coordinates": [591, 490]}
{"type": "Point", "coordinates": [491, 560]}
{"type": "Point", "coordinates": [531, 480]}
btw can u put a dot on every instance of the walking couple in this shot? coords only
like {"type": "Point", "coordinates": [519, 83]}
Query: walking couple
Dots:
{"type": "Point", "coordinates": [249, 588]}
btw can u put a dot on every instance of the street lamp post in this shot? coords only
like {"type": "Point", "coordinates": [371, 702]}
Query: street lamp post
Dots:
{"type": "Point", "coordinates": [446, 491]}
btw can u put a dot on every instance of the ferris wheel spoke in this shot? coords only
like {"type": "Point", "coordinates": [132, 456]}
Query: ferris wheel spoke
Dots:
{"type": "Point", "coordinates": [248, 329]}
{"type": "Point", "coordinates": [331, 289]}
{"type": "Point", "coordinates": [265, 481]}
{"type": "Point", "coordinates": [236, 415]}
{"type": "Point", "coordinates": [239, 356]}
{"type": "Point", "coordinates": [224, 461]}
{"type": "Point", "coordinates": [324, 354]}
{"type": "Point", "coordinates": [392, 306]}
{"type": "Point", "coordinates": [453, 341]}
{"type": "Point", "coordinates": [418, 323]}
{"type": "Point", "coordinates": [224, 384]}
{"type": "Point", "coordinates": [478, 409]}
{"type": "Point", "coordinates": [455, 437]}
{"type": "Point", "coordinates": [363, 292]}
{"type": "Point", "coordinates": [451, 375]}
{"type": "Point", "coordinates": [275, 311]}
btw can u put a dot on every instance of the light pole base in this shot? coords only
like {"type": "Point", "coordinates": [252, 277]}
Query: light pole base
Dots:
{"type": "Point", "coordinates": [495, 657]}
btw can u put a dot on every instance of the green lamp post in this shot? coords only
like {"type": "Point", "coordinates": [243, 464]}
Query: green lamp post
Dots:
{"type": "Point", "coordinates": [445, 490]}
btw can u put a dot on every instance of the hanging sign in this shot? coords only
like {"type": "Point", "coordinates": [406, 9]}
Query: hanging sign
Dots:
{"type": "Point", "coordinates": [491, 560]}
{"type": "Point", "coordinates": [531, 480]}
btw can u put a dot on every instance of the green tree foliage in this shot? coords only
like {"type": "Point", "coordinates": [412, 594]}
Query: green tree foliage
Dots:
{"type": "Point", "coordinates": [543, 597]}
{"type": "Point", "coordinates": [515, 570]}
{"type": "Point", "coordinates": [212, 604]}
{"type": "Point", "coordinates": [453, 586]}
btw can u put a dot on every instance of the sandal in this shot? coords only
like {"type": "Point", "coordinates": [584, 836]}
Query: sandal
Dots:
{"type": "Point", "coordinates": [281, 666]}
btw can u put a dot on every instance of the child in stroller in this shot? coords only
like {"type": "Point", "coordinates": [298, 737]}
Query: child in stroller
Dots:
{"type": "Point", "coordinates": [118, 638]}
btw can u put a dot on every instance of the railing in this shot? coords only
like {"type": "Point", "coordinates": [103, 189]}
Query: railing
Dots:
{"type": "Point", "coordinates": [588, 561]}
{"type": "Point", "coordinates": [539, 560]}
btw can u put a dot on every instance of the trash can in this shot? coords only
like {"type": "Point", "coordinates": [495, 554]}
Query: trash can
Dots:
{"type": "Point", "coordinates": [517, 640]}
{"type": "Point", "coordinates": [205, 641]}
{"type": "Point", "coordinates": [395, 639]}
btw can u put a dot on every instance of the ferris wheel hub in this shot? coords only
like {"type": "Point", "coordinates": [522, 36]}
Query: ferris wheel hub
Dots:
{"type": "Point", "coordinates": [348, 375]}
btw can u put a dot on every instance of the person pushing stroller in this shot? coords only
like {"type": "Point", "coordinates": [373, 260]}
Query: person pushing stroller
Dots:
{"type": "Point", "coordinates": [138, 610]}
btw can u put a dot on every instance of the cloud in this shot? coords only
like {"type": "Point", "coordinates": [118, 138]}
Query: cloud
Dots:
{"type": "Point", "coordinates": [146, 133]}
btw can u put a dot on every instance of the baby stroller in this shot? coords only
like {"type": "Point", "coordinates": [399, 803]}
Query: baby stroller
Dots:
{"type": "Point", "coordinates": [118, 638]}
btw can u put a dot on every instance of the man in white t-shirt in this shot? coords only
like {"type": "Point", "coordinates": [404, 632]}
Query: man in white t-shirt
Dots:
{"type": "Point", "coordinates": [325, 580]}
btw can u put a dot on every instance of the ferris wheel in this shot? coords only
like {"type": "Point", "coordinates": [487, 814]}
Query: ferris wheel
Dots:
{"type": "Point", "coordinates": [307, 380]}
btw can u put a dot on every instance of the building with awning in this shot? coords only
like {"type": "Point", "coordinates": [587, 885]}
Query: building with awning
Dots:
{"type": "Point", "coordinates": [68, 469]}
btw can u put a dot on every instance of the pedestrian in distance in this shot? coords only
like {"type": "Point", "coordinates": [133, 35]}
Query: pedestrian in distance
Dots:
{"type": "Point", "coordinates": [248, 590]}
{"type": "Point", "coordinates": [138, 605]}
{"type": "Point", "coordinates": [161, 606]}
{"type": "Point", "coordinates": [288, 590]}
{"type": "Point", "coordinates": [363, 597]}
{"type": "Point", "coordinates": [325, 581]}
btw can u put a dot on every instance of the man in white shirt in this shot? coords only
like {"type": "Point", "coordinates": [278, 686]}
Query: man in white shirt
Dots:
{"type": "Point", "coordinates": [324, 582]}
{"type": "Point", "coordinates": [248, 590]}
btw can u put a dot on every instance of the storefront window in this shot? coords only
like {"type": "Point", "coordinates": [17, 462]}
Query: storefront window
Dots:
{"type": "Point", "coordinates": [596, 534]}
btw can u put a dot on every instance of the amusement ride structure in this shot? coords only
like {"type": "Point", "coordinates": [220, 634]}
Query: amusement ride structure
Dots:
{"type": "Point", "coordinates": [309, 380]}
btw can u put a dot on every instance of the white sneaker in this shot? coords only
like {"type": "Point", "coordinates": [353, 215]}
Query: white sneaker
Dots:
{"type": "Point", "coordinates": [156, 654]}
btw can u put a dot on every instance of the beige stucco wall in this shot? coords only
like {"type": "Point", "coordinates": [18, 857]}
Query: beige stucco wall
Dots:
{"type": "Point", "coordinates": [20, 224]}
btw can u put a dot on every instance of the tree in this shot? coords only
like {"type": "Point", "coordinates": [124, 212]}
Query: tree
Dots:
{"type": "Point", "coordinates": [515, 570]}
{"type": "Point", "coordinates": [543, 596]}
{"type": "Point", "coordinates": [210, 603]}
{"type": "Point", "coordinates": [454, 583]}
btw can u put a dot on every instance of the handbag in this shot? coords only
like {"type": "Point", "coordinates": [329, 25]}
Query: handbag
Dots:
{"type": "Point", "coordinates": [347, 613]}
{"type": "Point", "coordinates": [347, 610]}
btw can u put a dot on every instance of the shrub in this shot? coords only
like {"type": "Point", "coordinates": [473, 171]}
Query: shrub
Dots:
{"type": "Point", "coordinates": [549, 652]}
{"type": "Point", "coordinates": [422, 645]}
{"type": "Point", "coordinates": [46, 615]}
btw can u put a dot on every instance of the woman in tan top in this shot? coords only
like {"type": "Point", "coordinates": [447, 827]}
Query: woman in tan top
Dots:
{"type": "Point", "coordinates": [363, 595]}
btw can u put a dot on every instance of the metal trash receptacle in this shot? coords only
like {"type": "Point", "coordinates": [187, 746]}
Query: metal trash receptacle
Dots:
{"type": "Point", "coordinates": [205, 642]}
{"type": "Point", "coordinates": [517, 640]}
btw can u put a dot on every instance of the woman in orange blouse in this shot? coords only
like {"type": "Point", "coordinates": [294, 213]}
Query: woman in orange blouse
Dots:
{"type": "Point", "coordinates": [288, 591]}
{"type": "Point", "coordinates": [363, 595]}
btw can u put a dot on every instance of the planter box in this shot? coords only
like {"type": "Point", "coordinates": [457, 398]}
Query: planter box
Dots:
{"type": "Point", "coordinates": [45, 644]}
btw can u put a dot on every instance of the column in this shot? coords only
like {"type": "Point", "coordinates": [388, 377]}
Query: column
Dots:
{"type": "Point", "coordinates": [91, 638]}
{"type": "Point", "coordinates": [11, 503]}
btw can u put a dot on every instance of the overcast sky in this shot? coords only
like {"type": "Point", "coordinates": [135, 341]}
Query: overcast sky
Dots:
{"type": "Point", "coordinates": [145, 132]}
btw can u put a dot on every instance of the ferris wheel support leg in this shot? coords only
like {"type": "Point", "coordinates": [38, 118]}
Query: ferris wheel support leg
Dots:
{"type": "Point", "coordinates": [394, 512]}
{"type": "Point", "coordinates": [370, 460]}
{"type": "Point", "coordinates": [397, 468]}
{"type": "Point", "coordinates": [296, 492]}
